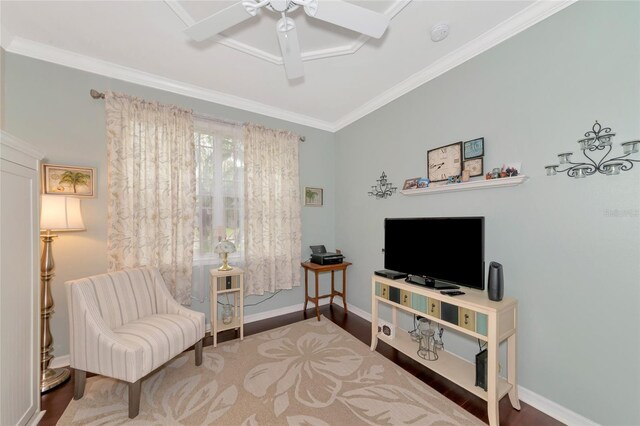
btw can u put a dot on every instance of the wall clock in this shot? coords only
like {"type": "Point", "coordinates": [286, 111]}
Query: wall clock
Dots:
{"type": "Point", "coordinates": [474, 166]}
{"type": "Point", "coordinates": [444, 161]}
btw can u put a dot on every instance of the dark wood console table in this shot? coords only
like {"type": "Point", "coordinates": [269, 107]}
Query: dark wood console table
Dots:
{"type": "Point", "coordinates": [317, 269]}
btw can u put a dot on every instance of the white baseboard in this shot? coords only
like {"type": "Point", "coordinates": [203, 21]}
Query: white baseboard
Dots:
{"type": "Point", "coordinates": [36, 419]}
{"type": "Point", "coordinates": [60, 361]}
{"type": "Point", "coordinates": [553, 409]}
{"type": "Point", "coordinates": [359, 312]}
{"type": "Point", "coordinates": [538, 402]}
{"type": "Point", "coordinates": [280, 311]}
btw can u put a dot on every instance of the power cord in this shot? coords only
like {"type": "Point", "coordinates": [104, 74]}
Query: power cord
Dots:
{"type": "Point", "coordinates": [414, 333]}
{"type": "Point", "coordinates": [257, 303]}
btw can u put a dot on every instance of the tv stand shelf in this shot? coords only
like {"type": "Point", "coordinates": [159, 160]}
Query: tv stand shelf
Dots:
{"type": "Point", "coordinates": [472, 314]}
{"type": "Point", "coordinates": [449, 366]}
{"type": "Point", "coordinates": [466, 186]}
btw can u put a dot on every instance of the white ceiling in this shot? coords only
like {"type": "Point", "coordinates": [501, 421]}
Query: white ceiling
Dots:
{"type": "Point", "coordinates": [347, 75]}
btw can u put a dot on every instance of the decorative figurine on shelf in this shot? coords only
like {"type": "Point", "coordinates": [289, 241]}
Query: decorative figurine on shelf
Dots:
{"type": "Point", "coordinates": [511, 171]}
{"type": "Point", "coordinates": [224, 247]}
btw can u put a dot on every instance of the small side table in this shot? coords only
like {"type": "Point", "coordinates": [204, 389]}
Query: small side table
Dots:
{"type": "Point", "coordinates": [228, 284]}
{"type": "Point", "coordinates": [317, 269]}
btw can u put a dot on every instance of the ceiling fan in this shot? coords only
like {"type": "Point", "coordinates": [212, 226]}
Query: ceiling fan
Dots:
{"type": "Point", "coordinates": [336, 12]}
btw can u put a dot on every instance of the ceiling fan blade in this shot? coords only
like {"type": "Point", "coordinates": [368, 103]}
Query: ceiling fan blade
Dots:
{"type": "Point", "coordinates": [349, 16]}
{"type": "Point", "coordinates": [219, 22]}
{"type": "Point", "coordinates": [290, 48]}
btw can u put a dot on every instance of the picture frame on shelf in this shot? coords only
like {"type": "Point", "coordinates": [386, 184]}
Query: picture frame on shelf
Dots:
{"type": "Point", "coordinates": [313, 196]}
{"type": "Point", "coordinates": [474, 148]}
{"type": "Point", "coordinates": [475, 167]}
{"type": "Point", "coordinates": [72, 181]}
{"type": "Point", "coordinates": [423, 183]}
{"type": "Point", "coordinates": [410, 183]}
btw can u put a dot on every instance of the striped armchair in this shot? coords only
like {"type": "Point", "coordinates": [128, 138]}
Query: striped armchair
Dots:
{"type": "Point", "coordinates": [125, 325]}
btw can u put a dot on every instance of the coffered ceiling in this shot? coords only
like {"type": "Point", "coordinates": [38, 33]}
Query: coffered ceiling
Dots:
{"type": "Point", "coordinates": [347, 75]}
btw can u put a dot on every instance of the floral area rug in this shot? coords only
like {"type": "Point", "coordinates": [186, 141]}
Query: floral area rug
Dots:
{"type": "Point", "coordinates": [307, 373]}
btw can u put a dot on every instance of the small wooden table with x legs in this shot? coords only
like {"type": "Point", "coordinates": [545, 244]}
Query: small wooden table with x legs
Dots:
{"type": "Point", "coordinates": [317, 269]}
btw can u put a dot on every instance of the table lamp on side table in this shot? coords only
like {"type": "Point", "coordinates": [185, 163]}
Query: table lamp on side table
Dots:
{"type": "Point", "coordinates": [58, 213]}
{"type": "Point", "coordinates": [225, 247]}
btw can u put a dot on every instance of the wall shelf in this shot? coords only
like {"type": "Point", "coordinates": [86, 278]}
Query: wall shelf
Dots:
{"type": "Point", "coordinates": [467, 186]}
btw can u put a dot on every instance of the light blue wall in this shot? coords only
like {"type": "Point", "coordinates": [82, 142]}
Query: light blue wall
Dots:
{"type": "Point", "coordinates": [570, 248]}
{"type": "Point", "coordinates": [49, 106]}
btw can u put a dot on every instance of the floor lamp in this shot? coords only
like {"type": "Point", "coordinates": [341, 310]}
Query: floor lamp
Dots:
{"type": "Point", "coordinates": [58, 213]}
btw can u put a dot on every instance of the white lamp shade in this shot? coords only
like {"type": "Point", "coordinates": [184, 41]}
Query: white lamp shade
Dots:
{"type": "Point", "coordinates": [60, 213]}
{"type": "Point", "coordinates": [224, 246]}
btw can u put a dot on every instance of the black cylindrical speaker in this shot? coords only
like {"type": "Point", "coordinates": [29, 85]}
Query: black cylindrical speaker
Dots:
{"type": "Point", "coordinates": [496, 282]}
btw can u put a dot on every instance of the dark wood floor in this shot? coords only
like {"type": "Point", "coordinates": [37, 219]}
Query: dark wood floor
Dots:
{"type": "Point", "coordinates": [56, 400]}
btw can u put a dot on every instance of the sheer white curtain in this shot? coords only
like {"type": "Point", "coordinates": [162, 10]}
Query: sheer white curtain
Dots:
{"type": "Point", "coordinates": [220, 197]}
{"type": "Point", "coordinates": [272, 210]}
{"type": "Point", "coordinates": [151, 189]}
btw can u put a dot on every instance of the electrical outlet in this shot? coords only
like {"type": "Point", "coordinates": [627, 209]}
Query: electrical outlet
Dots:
{"type": "Point", "coordinates": [386, 328]}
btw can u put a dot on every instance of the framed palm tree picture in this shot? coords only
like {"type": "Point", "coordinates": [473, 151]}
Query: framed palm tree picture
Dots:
{"type": "Point", "coordinates": [69, 180]}
{"type": "Point", "coordinates": [312, 196]}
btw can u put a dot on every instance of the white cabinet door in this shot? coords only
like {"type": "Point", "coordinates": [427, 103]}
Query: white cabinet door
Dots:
{"type": "Point", "coordinates": [19, 288]}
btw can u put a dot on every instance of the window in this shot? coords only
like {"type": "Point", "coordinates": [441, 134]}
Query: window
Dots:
{"type": "Point", "coordinates": [272, 175]}
{"type": "Point", "coordinates": [220, 197]}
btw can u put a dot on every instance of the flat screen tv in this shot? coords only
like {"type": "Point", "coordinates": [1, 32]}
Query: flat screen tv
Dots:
{"type": "Point", "coordinates": [449, 250]}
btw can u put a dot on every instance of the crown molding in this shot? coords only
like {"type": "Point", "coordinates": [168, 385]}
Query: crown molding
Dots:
{"type": "Point", "coordinates": [345, 49]}
{"type": "Point", "coordinates": [180, 12]}
{"type": "Point", "coordinates": [253, 51]}
{"type": "Point", "coordinates": [519, 22]}
{"type": "Point", "coordinates": [501, 32]}
{"type": "Point", "coordinates": [5, 37]}
{"type": "Point", "coordinates": [66, 58]}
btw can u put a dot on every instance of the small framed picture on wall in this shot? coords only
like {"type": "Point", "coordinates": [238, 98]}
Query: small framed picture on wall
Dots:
{"type": "Point", "coordinates": [68, 180]}
{"type": "Point", "coordinates": [474, 148]}
{"type": "Point", "coordinates": [312, 196]}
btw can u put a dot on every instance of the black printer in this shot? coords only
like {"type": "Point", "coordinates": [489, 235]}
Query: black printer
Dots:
{"type": "Point", "coordinates": [320, 256]}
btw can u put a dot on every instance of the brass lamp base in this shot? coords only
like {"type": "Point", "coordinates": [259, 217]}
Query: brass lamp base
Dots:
{"type": "Point", "coordinates": [225, 266]}
{"type": "Point", "coordinates": [52, 377]}
{"type": "Point", "coordinates": [49, 377]}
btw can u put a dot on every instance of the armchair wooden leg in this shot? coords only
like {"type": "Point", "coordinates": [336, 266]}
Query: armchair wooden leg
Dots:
{"type": "Point", "coordinates": [79, 380]}
{"type": "Point", "coordinates": [134, 398]}
{"type": "Point", "coordinates": [198, 350]}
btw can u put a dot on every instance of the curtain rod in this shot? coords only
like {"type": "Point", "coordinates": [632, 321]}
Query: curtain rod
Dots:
{"type": "Point", "coordinates": [99, 95]}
